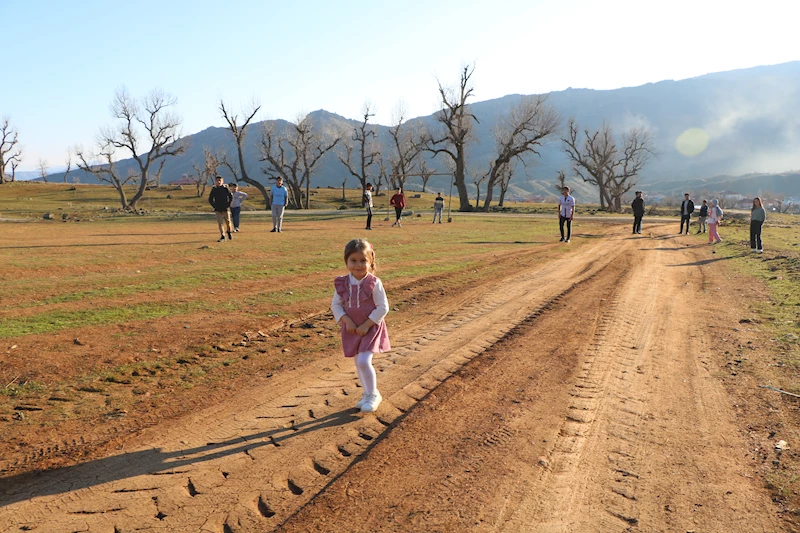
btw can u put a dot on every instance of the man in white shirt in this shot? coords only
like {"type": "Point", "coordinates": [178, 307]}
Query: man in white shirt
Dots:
{"type": "Point", "coordinates": [566, 210]}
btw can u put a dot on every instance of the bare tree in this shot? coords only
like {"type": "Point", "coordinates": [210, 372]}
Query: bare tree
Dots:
{"type": "Point", "coordinates": [10, 151]}
{"type": "Point", "coordinates": [456, 120]}
{"type": "Point", "coordinates": [383, 177]}
{"type": "Point", "coordinates": [147, 130]}
{"type": "Point", "coordinates": [406, 149]}
{"type": "Point", "coordinates": [519, 134]}
{"type": "Point", "coordinates": [239, 132]}
{"type": "Point", "coordinates": [68, 166]}
{"type": "Point", "coordinates": [204, 175]}
{"type": "Point", "coordinates": [14, 165]}
{"type": "Point", "coordinates": [425, 174]}
{"type": "Point", "coordinates": [478, 179]}
{"type": "Point", "coordinates": [293, 154]}
{"type": "Point", "coordinates": [361, 141]}
{"type": "Point", "coordinates": [43, 169]}
{"type": "Point", "coordinates": [561, 181]}
{"type": "Point", "coordinates": [504, 180]}
{"type": "Point", "coordinates": [596, 159]}
{"type": "Point", "coordinates": [106, 171]}
{"type": "Point", "coordinates": [156, 182]}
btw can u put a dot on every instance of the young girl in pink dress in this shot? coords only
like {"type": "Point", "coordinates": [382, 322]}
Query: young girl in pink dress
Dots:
{"type": "Point", "coordinates": [359, 306]}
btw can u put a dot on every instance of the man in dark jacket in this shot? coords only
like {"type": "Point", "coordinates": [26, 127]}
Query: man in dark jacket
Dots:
{"type": "Point", "coordinates": [701, 219]}
{"type": "Point", "coordinates": [687, 208]}
{"type": "Point", "coordinates": [638, 212]}
{"type": "Point", "coordinates": [220, 199]}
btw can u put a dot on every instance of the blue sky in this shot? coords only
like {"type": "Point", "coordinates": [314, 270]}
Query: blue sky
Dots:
{"type": "Point", "coordinates": [63, 61]}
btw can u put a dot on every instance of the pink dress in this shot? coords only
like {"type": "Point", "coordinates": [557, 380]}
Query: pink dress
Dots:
{"type": "Point", "coordinates": [358, 304]}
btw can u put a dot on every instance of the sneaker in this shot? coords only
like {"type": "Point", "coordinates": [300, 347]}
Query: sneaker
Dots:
{"type": "Point", "coordinates": [360, 403]}
{"type": "Point", "coordinates": [372, 403]}
{"type": "Point", "coordinates": [761, 251]}
{"type": "Point", "coordinates": [399, 225]}
{"type": "Point", "coordinates": [221, 239]}
{"type": "Point", "coordinates": [753, 250]}
{"type": "Point", "coordinates": [273, 230]}
{"type": "Point", "coordinates": [561, 239]}
{"type": "Point", "coordinates": [280, 231]}
{"type": "Point", "coordinates": [393, 224]}
{"type": "Point", "coordinates": [236, 230]}
{"type": "Point", "coordinates": [567, 240]}
{"type": "Point", "coordinates": [229, 236]}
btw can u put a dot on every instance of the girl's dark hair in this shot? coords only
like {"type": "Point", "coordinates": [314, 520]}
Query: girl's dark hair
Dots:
{"type": "Point", "coordinates": [760, 203]}
{"type": "Point", "coordinates": [361, 245]}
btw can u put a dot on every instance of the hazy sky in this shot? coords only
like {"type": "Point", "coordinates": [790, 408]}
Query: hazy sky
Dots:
{"type": "Point", "coordinates": [63, 61]}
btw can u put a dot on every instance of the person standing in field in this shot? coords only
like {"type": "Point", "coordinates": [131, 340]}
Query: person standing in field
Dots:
{"type": "Point", "coordinates": [638, 212]}
{"type": "Point", "coordinates": [438, 207]}
{"type": "Point", "coordinates": [702, 217]}
{"type": "Point", "coordinates": [236, 204]}
{"type": "Point", "coordinates": [687, 208]}
{"type": "Point", "coordinates": [566, 211]}
{"type": "Point", "coordinates": [368, 204]}
{"type": "Point", "coordinates": [220, 199]}
{"type": "Point", "coordinates": [278, 198]}
{"type": "Point", "coordinates": [359, 306]}
{"type": "Point", "coordinates": [758, 215]}
{"type": "Point", "coordinates": [398, 201]}
{"type": "Point", "coordinates": [714, 219]}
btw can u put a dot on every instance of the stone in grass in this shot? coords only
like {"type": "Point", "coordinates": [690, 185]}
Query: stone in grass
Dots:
{"type": "Point", "coordinates": [781, 445]}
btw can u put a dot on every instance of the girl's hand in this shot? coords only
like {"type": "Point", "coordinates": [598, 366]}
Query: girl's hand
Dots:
{"type": "Point", "coordinates": [364, 328]}
{"type": "Point", "coordinates": [349, 325]}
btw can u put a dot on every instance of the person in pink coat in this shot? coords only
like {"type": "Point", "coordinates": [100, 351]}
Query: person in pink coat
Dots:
{"type": "Point", "coordinates": [359, 306]}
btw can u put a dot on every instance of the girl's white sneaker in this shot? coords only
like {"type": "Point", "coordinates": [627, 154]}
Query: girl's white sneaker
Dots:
{"type": "Point", "coordinates": [372, 403]}
{"type": "Point", "coordinates": [360, 403]}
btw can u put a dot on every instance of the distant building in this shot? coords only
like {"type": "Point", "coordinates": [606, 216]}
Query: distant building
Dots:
{"type": "Point", "coordinates": [183, 180]}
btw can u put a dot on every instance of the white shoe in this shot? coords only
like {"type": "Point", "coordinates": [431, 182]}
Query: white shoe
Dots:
{"type": "Point", "coordinates": [567, 240]}
{"type": "Point", "coordinates": [372, 403]}
{"type": "Point", "coordinates": [761, 251]}
{"type": "Point", "coordinates": [753, 250]}
{"type": "Point", "coordinates": [360, 403]}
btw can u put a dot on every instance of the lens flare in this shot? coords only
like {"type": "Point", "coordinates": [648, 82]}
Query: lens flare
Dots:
{"type": "Point", "coordinates": [692, 142]}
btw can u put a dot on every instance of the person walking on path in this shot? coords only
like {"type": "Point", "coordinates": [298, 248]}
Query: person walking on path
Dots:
{"type": "Point", "coordinates": [758, 215]}
{"type": "Point", "coordinates": [714, 219]}
{"type": "Point", "coordinates": [236, 204]}
{"type": "Point", "coordinates": [566, 211]}
{"type": "Point", "coordinates": [702, 217]}
{"type": "Point", "coordinates": [220, 199]}
{"type": "Point", "coordinates": [359, 306]}
{"type": "Point", "coordinates": [438, 207]}
{"type": "Point", "coordinates": [278, 198]}
{"type": "Point", "coordinates": [687, 208]}
{"type": "Point", "coordinates": [398, 201]}
{"type": "Point", "coordinates": [368, 204]}
{"type": "Point", "coordinates": [638, 212]}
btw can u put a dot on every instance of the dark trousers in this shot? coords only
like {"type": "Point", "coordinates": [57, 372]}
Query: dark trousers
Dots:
{"type": "Point", "coordinates": [755, 234]}
{"type": "Point", "coordinates": [637, 223]}
{"type": "Point", "coordinates": [568, 221]}
{"type": "Point", "coordinates": [369, 217]}
{"type": "Point", "coordinates": [399, 212]}
{"type": "Point", "coordinates": [235, 215]}
{"type": "Point", "coordinates": [685, 218]}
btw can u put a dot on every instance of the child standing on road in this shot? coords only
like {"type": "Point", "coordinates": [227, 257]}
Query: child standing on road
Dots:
{"type": "Point", "coordinates": [359, 306]}
{"type": "Point", "coordinates": [236, 204]}
{"type": "Point", "coordinates": [758, 215]}
{"type": "Point", "coordinates": [367, 200]}
{"type": "Point", "coordinates": [714, 218]}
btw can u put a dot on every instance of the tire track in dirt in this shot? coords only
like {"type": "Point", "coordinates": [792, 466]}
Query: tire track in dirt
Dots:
{"type": "Point", "coordinates": [250, 465]}
{"type": "Point", "coordinates": [607, 417]}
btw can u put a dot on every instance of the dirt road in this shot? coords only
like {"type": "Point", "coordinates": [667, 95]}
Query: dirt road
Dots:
{"type": "Point", "coordinates": [578, 396]}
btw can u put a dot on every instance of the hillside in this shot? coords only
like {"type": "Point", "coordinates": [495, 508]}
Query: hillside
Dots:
{"type": "Point", "coordinates": [747, 115]}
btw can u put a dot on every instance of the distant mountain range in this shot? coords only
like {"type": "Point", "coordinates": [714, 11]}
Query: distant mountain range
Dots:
{"type": "Point", "coordinates": [749, 118]}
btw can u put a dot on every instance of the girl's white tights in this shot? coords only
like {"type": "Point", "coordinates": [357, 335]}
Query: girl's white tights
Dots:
{"type": "Point", "coordinates": [366, 372]}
